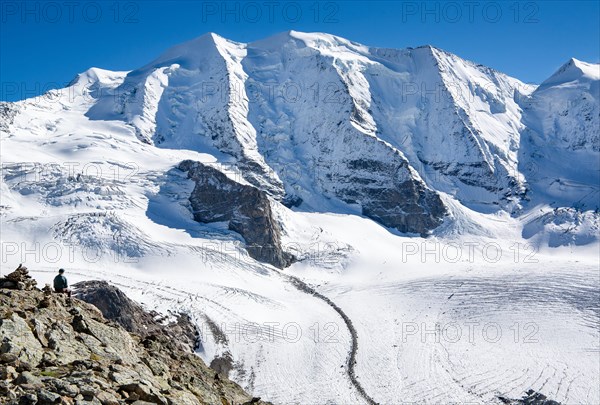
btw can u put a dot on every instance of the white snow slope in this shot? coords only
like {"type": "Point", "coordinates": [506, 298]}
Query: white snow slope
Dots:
{"type": "Point", "coordinates": [502, 297]}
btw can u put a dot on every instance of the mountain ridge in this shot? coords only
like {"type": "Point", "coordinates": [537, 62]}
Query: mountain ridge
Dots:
{"type": "Point", "coordinates": [324, 124]}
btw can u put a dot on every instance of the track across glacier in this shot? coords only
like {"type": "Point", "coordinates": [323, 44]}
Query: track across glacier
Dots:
{"type": "Point", "coordinates": [351, 360]}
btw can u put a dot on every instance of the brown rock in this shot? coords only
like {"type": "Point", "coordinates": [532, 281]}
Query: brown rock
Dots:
{"type": "Point", "coordinates": [8, 358]}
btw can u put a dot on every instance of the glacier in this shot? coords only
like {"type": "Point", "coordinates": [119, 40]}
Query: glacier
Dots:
{"type": "Point", "coordinates": [449, 212]}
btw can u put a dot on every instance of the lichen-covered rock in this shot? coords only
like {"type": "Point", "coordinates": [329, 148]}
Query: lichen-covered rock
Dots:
{"type": "Point", "coordinates": [247, 209]}
{"type": "Point", "coordinates": [66, 352]}
{"type": "Point", "coordinates": [17, 338]}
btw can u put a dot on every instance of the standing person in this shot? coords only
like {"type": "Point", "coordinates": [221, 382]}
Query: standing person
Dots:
{"type": "Point", "coordinates": [60, 283]}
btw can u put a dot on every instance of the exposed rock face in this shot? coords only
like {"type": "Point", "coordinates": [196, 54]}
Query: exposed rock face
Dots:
{"type": "Point", "coordinates": [408, 205]}
{"type": "Point", "coordinates": [54, 350]}
{"type": "Point", "coordinates": [532, 398]}
{"type": "Point", "coordinates": [218, 198]}
{"type": "Point", "coordinates": [116, 306]}
{"type": "Point", "coordinates": [409, 208]}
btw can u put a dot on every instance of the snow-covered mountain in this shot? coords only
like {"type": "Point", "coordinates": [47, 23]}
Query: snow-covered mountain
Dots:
{"type": "Point", "coordinates": [560, 145]}
{"type": "Point", "coordinates": [324, 124]}
{"type": "Point", "coordinates": [225, 162]}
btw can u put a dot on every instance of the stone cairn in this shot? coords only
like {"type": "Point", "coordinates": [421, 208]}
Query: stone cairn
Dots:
{"type": "Point", "coordinates": [18, 280]}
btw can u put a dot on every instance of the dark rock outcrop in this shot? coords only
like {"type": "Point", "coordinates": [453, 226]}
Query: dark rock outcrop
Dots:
{"type": "Point", "coordinates": [247, 209]}
{"type": "Point", "coordinates": [531, 398]}
{"type": "Point", "coordinates": [59, 350]}
{"type": "Point", "coordinates": [116, 306]}
{"type": "Point", "coordinates": [387, 194]}
{"type": "Point", "coordinates": [410, 207]}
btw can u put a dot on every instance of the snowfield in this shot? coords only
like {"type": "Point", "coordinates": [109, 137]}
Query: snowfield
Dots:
{"type": "Point", "coordinates": [500, 297]}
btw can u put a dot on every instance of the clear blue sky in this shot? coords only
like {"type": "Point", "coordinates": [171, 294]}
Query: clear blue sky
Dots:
{"type": "Point", "coordinates": [45, 44]}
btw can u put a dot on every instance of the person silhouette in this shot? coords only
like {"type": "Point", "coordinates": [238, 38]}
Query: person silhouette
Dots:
{"type": "Point", "coordinates": [60, 283]}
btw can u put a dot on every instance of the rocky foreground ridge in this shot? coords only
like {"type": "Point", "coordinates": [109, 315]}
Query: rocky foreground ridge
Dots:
{"type": "Point", "coordinates": [56, 350]}
{"type": "Point", "coordinates": [116, 306]}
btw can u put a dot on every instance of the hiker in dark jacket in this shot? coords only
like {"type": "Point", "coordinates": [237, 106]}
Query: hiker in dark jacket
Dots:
{"type": "Point", "coordinates": [60, 283]}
